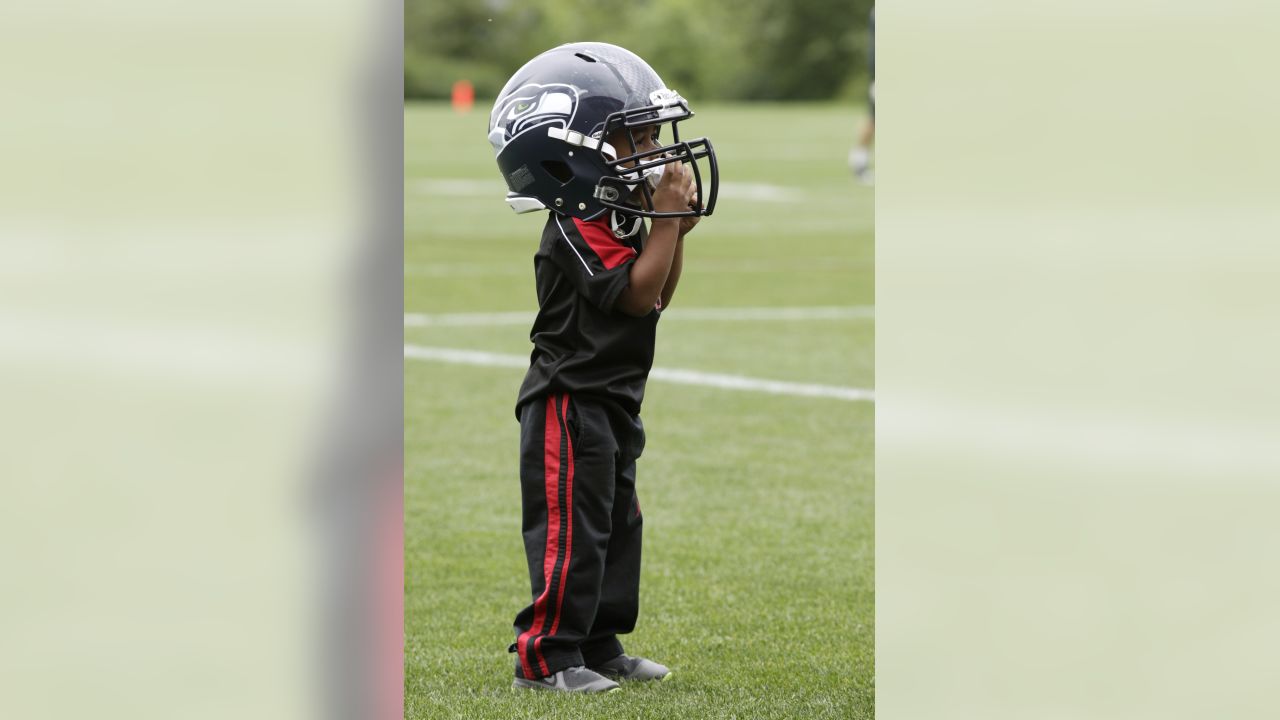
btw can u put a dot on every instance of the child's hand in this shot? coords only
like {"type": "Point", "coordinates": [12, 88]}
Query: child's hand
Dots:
{"type": "Point", "coordinates": [676, 189]}
{"type": "Point", "coordinates": [687, 223]}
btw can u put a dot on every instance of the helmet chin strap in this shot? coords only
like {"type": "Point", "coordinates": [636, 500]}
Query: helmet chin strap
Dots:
{"type": "Point", "coordinates": [623, 225]}
{"type": "Point", "coordinates": [618, 220]}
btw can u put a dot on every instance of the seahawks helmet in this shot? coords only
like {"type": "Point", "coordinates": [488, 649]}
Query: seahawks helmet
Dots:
{"type": "Point", "coordinates": [550, 125]}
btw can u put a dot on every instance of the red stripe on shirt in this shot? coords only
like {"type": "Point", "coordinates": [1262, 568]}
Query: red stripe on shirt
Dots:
{"type": "Point", "coordinates": [610, 250]}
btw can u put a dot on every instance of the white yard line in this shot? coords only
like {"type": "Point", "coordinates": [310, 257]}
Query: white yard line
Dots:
{"type": "Point", "coordinates": [465, 357]}
{"type": "Point", "coordinates": [468, 270]}
{"type": "Point", "coordinates": [671, 375]}
{"type": "Point", "coordinates": [741, 314]}
{"type": "Point", "coordinates": [468, 319]}
{"type": "Point", "coordinates": [774, 387]}
{"type": "Point", "coordinates": [821, 312]}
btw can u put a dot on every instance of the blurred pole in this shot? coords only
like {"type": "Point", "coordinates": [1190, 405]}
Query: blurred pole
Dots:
{"type": "Point", "coordinates": [359, 477]}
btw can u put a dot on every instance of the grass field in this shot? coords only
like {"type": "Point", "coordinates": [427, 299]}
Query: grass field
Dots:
{"type": "Point", "coordinates": [758, 563]}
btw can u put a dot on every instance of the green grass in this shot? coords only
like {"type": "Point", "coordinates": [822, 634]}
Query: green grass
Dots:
{"type": "Point", "coordinates": [758, 574]}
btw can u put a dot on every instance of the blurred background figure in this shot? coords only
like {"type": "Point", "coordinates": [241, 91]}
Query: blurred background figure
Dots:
{"type": "Point", "coordinates": [860, 155]}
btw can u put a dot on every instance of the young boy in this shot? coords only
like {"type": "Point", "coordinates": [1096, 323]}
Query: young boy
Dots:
{"type": "Point", "coordinates": [860, 155]}
{"type": "Point", "coordinates": [577, 132]}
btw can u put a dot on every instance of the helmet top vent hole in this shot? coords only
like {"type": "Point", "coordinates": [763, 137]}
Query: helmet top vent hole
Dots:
{"type": "Point", "coordinates": [588, 58]}
{"type": "Point", "coordinates": [558, 170]}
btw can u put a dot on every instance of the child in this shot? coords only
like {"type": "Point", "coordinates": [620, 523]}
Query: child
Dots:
{"type": "Point", "coordinates": [860, 155]}
{"type": "Point", "coordinates": [577, 132]}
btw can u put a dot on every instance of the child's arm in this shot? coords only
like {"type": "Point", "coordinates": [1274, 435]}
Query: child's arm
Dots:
{"type": "Point", "coordinates": [673, 277]}
{"type": "Point", "coordinates": [677, 261]}
{"type": "Point", "coordinates": [651, 271]}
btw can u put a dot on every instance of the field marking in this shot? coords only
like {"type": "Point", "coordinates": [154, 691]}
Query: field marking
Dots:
{"type": "Point", "coordinates": [740, 314]}
{"type": "Point", "coordinates": [450, 270]}
{"type": "Point", "coordinates": [671, 375]}
{"type": "Point", "coordinates": [460, 187]}
{"type": "Point", "coordinates": [764, 192]}
{"type": "Point", "coordinates": [467, 319]}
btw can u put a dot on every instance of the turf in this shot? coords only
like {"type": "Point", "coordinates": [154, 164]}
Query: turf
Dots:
{"type": "Point", "coordinates": [758, 572]}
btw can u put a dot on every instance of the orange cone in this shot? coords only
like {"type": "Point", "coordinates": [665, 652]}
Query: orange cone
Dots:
{"type": "Point", "coordinates": [464, 96]}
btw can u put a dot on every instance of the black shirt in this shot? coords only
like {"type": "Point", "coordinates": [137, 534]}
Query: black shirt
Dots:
{"type": "Point", "coordinates": [581, 344]}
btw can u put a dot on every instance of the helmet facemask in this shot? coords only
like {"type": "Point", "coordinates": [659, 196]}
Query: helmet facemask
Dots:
{"type": "Point", "coordinates": [643, 170]}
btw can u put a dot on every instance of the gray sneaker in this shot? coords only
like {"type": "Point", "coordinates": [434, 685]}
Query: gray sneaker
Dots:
{"type": "Point", "coordinates": [625, 667]}
{"type": "Point", "coordinates": [575, 680]}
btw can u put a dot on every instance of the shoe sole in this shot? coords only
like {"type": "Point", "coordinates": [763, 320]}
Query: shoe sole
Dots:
{"type": "Point", "coordinates": [519, 684]}
{"type": "Point", "coordinates": [619, 678]}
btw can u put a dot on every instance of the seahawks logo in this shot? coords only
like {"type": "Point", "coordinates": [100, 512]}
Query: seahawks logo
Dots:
{"type": "Point", "coordinates": [532, 106]}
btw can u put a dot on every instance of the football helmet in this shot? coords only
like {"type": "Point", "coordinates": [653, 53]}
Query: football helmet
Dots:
{"type": "Point", "coordinates": [550, 127]}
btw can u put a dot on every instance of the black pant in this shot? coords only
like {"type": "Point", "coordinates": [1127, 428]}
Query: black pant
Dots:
{"type": "Point", "coordinates": [582, 528]}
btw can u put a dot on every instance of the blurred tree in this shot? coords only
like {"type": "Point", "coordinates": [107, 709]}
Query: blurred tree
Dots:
{"type": "Point", "coordinates": [803, 49]}
{"type": "Point", "coordinates": [714, 49]}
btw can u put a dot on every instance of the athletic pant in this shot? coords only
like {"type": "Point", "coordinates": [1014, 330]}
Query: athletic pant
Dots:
{"type": "Point", "coordinates": [582, 528]}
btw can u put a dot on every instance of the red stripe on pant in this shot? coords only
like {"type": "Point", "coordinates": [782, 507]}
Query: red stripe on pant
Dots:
{"type": "Point", "coordinates": [552, 435]}
{"type": "Point", "coordinates": [568, 510]}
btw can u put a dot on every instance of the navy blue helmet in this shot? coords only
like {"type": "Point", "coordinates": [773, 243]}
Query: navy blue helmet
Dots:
{"type": "Point", "coordinates": [550, 125]}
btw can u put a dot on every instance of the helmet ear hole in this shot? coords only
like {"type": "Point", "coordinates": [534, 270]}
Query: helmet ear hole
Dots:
{"type": "Point", "coordinates": [558, 170]}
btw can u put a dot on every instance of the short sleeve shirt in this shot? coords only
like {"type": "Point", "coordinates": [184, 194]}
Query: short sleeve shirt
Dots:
{"type": "Point", "coordinates": [581, 343]}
